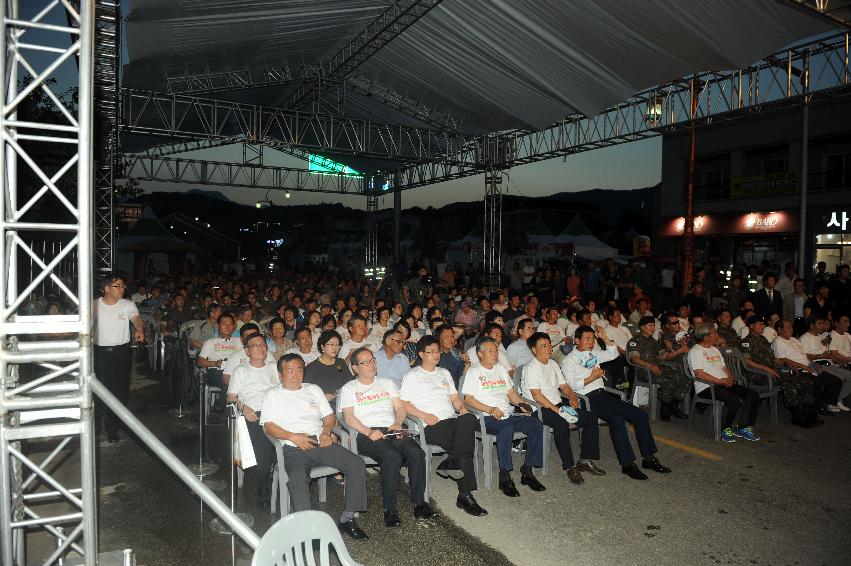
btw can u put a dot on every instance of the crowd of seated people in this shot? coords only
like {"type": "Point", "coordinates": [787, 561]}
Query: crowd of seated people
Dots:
{"type": "Point", "coordinates": [302, 355]}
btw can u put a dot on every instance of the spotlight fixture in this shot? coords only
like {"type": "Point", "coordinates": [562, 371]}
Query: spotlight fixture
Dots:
{"type": "Point", "coordinates": [265, 203]}
{"type": "Point", "coordinates": [287, 195]}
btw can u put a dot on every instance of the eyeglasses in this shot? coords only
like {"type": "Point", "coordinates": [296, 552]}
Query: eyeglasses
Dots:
{"type": "Point", "coordinates": [366, 362]}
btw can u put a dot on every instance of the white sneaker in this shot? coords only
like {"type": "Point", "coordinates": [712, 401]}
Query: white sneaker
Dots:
{"type": "Point", "coordinates": [833, 408]}
{"type": "Point", "coordinates": [842, 406]}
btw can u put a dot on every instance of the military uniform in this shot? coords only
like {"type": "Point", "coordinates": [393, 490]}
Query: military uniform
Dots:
{"type": "Point", "coordinates": [797, 389]}
{"type": "Point", "coordinates": [731, 339]}
{"type": "Point", "coordinates": [673, 385]}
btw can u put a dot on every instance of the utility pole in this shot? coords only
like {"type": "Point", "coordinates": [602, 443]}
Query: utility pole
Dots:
{"type": "Point", "coordinates": [688, 225]}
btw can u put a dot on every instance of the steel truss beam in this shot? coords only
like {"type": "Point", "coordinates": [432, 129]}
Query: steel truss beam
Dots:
{"type": "Point", "coordinates": [246, 175]}
{"type": "Point", "coordinates": [492, 244]}
{"type": "Point", "coordinates": [724, 95]}
{"type": "Point", "coordinates": [837, 11]}
{"type": "Point", "coordinates": [57, 389]}
{"type": "Point", "coordinates": [190, 117]}
{"type": "Point", "coordinates": [371, 248]}
{"type": "Point", "coordinates": [108, 40]}
{"type": "Point", "coordinates": [397, 18]}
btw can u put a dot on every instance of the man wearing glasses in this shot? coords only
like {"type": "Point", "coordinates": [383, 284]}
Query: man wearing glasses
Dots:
{"type": "Point", "coordinates": [113, 316]}
{"type": "Point", "coordinates": [248, 384]}
{"type": "Point", "coordinates": [390, 362]}
{"type": "Point", "coordinates": [372, 407]}
{"type": "Point", "coordinates": [429, 393]}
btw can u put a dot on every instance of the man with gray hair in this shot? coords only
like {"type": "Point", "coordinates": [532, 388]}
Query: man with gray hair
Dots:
{"type": "Point", "coordinates": [709, 368]}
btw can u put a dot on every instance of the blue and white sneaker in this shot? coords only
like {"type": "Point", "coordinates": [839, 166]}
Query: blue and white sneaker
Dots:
{"type": "Point", "coordinates": [747, 433]}
{"type": "Point", "coordinates": [727, 435]}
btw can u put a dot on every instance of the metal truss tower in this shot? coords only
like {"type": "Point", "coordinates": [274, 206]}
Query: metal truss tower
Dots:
{"type": "Point", "coordinates": [45, 399]}
{"type": "Point", "coordinates": [371, 248]}
{"type": "Point", "coordinates": [492, 245]}
{"type": "Point", "coordinates": [107, 156]}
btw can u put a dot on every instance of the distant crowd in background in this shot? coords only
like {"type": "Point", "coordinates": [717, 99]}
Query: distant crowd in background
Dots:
{"type": "Point", "coordinates": [571, 344]}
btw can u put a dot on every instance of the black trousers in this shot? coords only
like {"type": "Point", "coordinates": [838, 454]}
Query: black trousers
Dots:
{"type": "Point", "coordinates": [458, 437]}
{"type": "Point", "coordinates": [391, 454]}
{"type": "Point", "coordinates": [264, 451]}
{"type": "Point", "coordinates": [617, 413]}
{"type": "Point", "coordinates": [826, 388]}
{"type": "Point", "coordinates": [733, 398]}
{"type": "Point", "coordinates": [112, 368]}
{"type": "Point", "coordinates": [589, 444]}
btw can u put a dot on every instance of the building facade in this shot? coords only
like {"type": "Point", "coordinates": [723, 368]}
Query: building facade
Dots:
{"type": "Point", "coordinates": [747, 188]}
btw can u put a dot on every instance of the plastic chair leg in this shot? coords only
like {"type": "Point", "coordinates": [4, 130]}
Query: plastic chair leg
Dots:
{"type": "Point", "coordinates": [323, 490]}
{"type": "Point", "coordinates": [274, 503]}
{"type": "Point", "coordinates": [773, 401]}
{"type": "Point", "coordinates": [487, 460]}
{"type": "Point", "coordinates": [716, 420]}
{"type": "Point", "coordinates": [546, 450]}
{"type": "Point", "coordinates": [654, 402]}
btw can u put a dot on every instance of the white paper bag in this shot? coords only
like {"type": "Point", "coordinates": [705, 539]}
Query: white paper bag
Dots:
{"type": "Point", "coordinates": [246, 450]}
{"type": "Point", "coordinates": [640, 396]}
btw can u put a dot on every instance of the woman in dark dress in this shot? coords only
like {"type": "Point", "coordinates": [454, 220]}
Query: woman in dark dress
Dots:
{"type": "Point", "coordinates": [328, 371]}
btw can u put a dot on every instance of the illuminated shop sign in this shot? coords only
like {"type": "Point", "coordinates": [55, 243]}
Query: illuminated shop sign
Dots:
{"type": "Point", "coordinates": [838, 219]}
{"type": "Point", "coordinates": [752, 223]}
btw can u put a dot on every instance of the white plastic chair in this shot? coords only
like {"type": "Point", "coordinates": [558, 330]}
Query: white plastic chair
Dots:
{"type": "Point", "coordinates": [644, 378]}
{"type": "Point", "coordinates": [734, 361]}
{"type": "Point", "coordinates": [717, 406]}
{"type": "Point", "coordinates": [418, 426]}
{"type": "Point", "coordinates": [289, 542]}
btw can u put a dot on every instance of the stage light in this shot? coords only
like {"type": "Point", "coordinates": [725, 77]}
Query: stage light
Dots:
{"type": "Point", "coordinates": [287, 195]}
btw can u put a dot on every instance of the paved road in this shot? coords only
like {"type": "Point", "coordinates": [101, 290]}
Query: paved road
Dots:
{"type": "Point", "coordinates": [783, 500]}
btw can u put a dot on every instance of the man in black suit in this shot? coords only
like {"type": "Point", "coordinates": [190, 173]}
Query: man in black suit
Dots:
{"type": "Point", "coordinates": [767, 300]}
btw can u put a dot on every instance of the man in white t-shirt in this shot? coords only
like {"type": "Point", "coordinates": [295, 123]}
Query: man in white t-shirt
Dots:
{"type": "Point", "coordinates": [299, 417]}
{"type": "Point", "coordinates": [371, 407]}
{"type": "Point", "coordinates": [583, 373]}
{"type": "Point", "coordinates": [215, 351]}
{"type": "Point", "coordinates": [815, 342]}
{"type": "Point", "coordinates": [304, 345]}
{"type": "Point", "coordinates": [493, 331]}
{"type": "Point", "coordinates": [429, 393]}
{"type": "Point", "coordinates": [248, 384]}
{"type": "Point", "coordinates": [790, 352]}
{"type": "Point", "coordinates": [358, 337]}
{"type": "Point", "coordinates": [240, 357]}
{"type": "Point", "coordinates": [544, 383]}
{"type": "Point", "coordinates": [518, 352]}
{"type": "Point", "coordinates": [840, 341]}
{"type": "Point", "coordinates": [113, 317]}
{"type": "Point", "coordinates": [616, 331]}
{"type": "Point", "coordinates": [552, 328]}
{"type": "Point", "coordinates": [707, 365]}
{"type": "Point", "coordinates": [488, 388]}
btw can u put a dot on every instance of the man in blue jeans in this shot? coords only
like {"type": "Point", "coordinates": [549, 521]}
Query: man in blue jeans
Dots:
{"type": "Point", "coordinates": [585, 376]}
{"type": "Point", "coordinates": [489, 389]}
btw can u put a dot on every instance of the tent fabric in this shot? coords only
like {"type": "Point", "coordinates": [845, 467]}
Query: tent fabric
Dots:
{"type": "Point", "coordinates": [495, 64]}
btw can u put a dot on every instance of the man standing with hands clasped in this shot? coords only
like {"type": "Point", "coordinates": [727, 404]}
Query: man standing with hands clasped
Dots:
{"type": "Point", "coordinates": [372, 407]}
{"type": "Point", "coordinates": [248, 384]}
{"type": "Point", "coordinates": [113, 316]}
{"type": "Point", "coordinates": [298, 415]}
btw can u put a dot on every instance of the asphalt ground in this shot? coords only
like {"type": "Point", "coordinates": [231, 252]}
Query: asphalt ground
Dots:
{"type": "Point", "coordinates": [783, 500]}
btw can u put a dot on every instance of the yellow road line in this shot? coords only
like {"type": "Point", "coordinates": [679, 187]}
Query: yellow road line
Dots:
{"type": "Point", "coordinates": [686, 448]}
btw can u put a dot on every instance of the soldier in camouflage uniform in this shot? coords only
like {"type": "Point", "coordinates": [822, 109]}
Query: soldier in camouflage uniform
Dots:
{"type": "Point", "coordinates": [644, 351]}
{"type": "Point", "coordinates": [725, 330]}
{"type": "Point", "coordinates": [798, 393]}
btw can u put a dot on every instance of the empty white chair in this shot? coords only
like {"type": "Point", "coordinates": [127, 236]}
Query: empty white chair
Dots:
{"type": "Point", "coordinates": [289, 542]}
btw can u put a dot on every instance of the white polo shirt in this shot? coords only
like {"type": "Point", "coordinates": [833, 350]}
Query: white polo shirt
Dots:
{"type": "Point", "coordinates": [548, 378]}
{"type": "Point", "coordinates": [113, 322]}
{"type": "Point", "coordinates": [620, 335]}
{"type": "Point", "coordinates": [299, 411]}
{"type": "Point", "coordinates": [577, 366]}
{"type": "Point", "coordinates": [429, 391]}
{"type": "Point", "coordinates": [840, 343]}
{"type": "Point", "coordinates": [812, 344]}
{"type": "Point", "coordinates": [240, 358]}
{"type": "Point", "coordinates": [489, 386]}
{"type": "Point", "coordinates": [709, 360]}
{"type": "Point", "coordinates": [790, 349]}
{"type": "Point", "coordinates": [373, 403]}
{"type": "Point", "coordinates": [250, 383]}
{"type": "Point", "coordinates": [216, 349]}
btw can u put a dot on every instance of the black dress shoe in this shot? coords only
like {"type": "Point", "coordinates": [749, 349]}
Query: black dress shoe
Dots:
{"type": "Point", "coordinates": [468, 503]}
{"type": "Point", "coordinates": [449, 469]}
{"type": "Point", "coordinates": [591, 468]}
{"type": "Point", "coordinates": [423, 511]}
{"type": "Point", "coordinates": [677, 413]}
{"type": "Point", "coordinates": [532, 483]}
{"type": "Point", "coordinates": [575, 476]}
{"type": "Point", "coordinates": [391, 519]}
{"type": "Point", "coordinates": [655, 465]}
{"type": "Point", "coordinates": [508, 488]}
{"type": "Point", "coordinates": [633, 472]}
{"type": "Point", "coordinates": [353, 530]}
